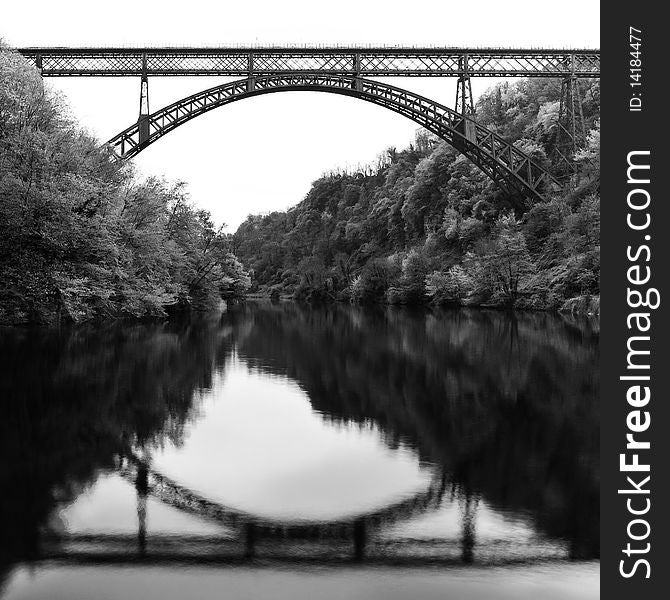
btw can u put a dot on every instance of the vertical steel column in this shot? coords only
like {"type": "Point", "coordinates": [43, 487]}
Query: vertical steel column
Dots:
{"type": "Point", "coordinates": [143, 119]}
{"type": "Point", "coordinates": [570, 127]}
{"type": "Point", "coordinates": [358, 84]}
{"type": "Point", "coordinates": [251, 80]}
{"type": "Point", "coordinates": [464, 103]}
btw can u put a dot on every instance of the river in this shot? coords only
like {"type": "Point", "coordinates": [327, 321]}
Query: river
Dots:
{"type": "Point", "coordinates": [285, 451]}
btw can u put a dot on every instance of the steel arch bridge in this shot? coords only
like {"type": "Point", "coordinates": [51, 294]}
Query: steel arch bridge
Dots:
{"type": "Point", "coordinates": [503, 162]}
{"type": "Point", "coordinates": [340, 69]}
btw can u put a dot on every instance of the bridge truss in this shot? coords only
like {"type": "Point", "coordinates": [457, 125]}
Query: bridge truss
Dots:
{"type": "Point", "coordinates": [351, 65]}
{"type": "Point", "coordinates": [365, 62]}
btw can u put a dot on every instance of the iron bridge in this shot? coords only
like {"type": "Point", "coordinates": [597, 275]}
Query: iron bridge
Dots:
{"type": "Point", "coordinates": [345, 70]}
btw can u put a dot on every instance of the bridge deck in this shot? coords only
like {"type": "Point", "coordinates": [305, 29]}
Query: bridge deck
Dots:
{"type": "Point", "coordinates": [371, 62]}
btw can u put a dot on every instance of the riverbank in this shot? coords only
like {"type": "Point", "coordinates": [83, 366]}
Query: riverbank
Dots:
{"type": "Point", "coordinates": [82, 237]}
{"type": "Point", "coordinates": [580, 305]}
{"type": "Point", "coordinates": [52, 317]}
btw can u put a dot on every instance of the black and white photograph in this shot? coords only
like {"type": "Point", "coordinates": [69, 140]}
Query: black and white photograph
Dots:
{"type": "Point", "coordinates": [302, 300]}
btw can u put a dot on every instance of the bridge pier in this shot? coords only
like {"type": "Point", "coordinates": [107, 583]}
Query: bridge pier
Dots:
{"type": "Point", "coordinates": [464, 102]}
{"type": "Point", "coordinates": [570, 127]}
{"type": "Point", "coordinates": [251, 79]}
{"type": "Point", "coordinates": [143, 119]}
{"type": "Point", "coordinates": [465, 105]}
{"type": "Point", "coordinates": [357, 84]}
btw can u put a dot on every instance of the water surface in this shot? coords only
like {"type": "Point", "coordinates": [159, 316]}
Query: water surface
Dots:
{"type": "Point", "coordinates": [278, 449]}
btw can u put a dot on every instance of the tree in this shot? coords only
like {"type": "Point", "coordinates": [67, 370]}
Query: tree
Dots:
{"type": "Point", "coordinates": [452, 286]}
{"type": "Point", "coordinates": [499, 264]}
{"type": "Point", "coordinates": [80, 237]}
{"type": "Point", "coordinates": [434, 208]}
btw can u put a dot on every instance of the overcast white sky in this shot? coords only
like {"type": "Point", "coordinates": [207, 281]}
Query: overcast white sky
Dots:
{"type": "Point", "coordinates": [262, 154]}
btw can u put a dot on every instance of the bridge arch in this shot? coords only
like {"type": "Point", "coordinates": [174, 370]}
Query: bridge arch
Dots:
{"type": "Point", "coordinates": [507, 165]}
{"type": "Point", "coordinates": [169, 492]}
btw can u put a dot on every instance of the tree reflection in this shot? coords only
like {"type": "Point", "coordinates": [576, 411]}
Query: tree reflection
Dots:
{"type": "Point", "coordinates": [505, 402]}
{"type": "Point", "coordinates": [72, 399]}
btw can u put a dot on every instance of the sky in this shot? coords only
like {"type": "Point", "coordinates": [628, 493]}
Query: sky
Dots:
{"type": "Point", "coordinates": [262, 154]}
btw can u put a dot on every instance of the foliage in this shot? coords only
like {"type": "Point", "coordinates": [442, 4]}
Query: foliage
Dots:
{"type": "Point", "coordinates": [80, 236]}
{"type": "Point", "coordinates": [450, 287]}
{"type": "Point", "coordinates": [424, 223]}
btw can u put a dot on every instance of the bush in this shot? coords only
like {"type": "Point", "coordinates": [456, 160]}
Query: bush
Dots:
{"type": "Point", "coordinates": [451, 287]}
{"type": "Point", "coordinates": [584, 305]}
{"type": "Point", "coordinates": [372, 283]}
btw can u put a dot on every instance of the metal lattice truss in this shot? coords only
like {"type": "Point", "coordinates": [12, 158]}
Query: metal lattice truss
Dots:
{"type": "Point", "coordinates": [239, 62]}
{"type": "Point", "coordinates": [506, 164]}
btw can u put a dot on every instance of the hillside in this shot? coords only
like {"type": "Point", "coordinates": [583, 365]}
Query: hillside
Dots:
{"type": "Point", "coordinates": [424, 224]}
{"type": "Point", "coordinates": [81, 236]}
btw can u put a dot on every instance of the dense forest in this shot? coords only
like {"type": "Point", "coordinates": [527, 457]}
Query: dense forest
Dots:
{"type": "Point", "coordinates": [81, 236]}
{"type": "Point", "coordinates": [424, 224]}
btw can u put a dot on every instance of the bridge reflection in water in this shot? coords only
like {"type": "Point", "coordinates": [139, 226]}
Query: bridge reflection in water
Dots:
{"type": "Point", "coordinates": [246, 536]}
{"type": "Point", "coordinates": [502, 407]}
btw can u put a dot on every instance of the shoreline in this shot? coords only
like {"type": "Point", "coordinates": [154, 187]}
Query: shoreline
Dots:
{"type": "Point", "coordinates": [258, 296]}
{"type": "Point", "coordinates": [578, 306]}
